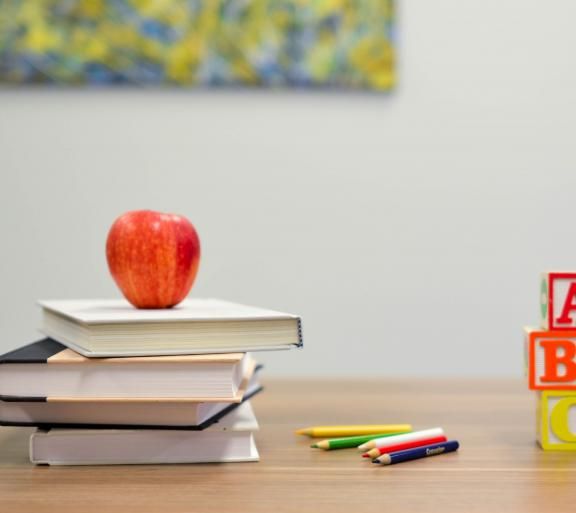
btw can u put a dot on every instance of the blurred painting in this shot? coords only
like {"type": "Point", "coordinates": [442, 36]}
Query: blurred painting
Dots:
{"type": "Point", "coordinates": [205, 43]}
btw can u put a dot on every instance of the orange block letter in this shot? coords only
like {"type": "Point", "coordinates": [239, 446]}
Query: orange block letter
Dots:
{"type": "Point", "coordinates": [552, 360]}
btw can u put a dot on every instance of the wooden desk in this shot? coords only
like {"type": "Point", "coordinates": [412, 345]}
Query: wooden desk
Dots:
{"type": "Point", "coordinates": [498, 469]}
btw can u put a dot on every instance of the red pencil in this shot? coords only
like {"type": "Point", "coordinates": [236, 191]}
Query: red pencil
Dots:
{"type": "Point", "coordinates": [374, 453]}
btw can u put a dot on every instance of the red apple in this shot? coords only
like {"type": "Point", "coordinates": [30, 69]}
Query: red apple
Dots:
{"type": "Point", "coordinates": [153, 257]}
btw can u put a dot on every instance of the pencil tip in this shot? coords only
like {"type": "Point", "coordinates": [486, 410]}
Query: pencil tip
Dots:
{"type": "Point", "coordinates": [376, 462]}
{"type": "Point", "coordinates": [314, 446]}
{"type": "Point", "coordinates": [303, 431]}
{"type": "Point", "coordinates": [365, 455]}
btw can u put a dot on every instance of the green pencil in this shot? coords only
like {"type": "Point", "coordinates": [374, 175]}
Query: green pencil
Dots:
{"type": "Point", "coordinates": [349, 441]}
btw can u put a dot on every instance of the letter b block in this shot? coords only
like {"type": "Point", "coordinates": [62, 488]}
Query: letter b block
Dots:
{"type": "Point", "coordinates": [558, 300]}
{"type": "Point", "coordinates": [557, 420]}
{"type": "Point", "coordinates": [551, 359]}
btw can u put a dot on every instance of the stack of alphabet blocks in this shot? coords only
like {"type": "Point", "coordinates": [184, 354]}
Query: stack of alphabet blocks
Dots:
{"type": "Point", "coordinates": [551, 359]}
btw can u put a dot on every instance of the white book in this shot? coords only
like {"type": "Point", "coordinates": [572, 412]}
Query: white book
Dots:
{"type": "Point", "coordinates": [111, 327]}
{"type": "Point", "coordinates": [229, 440]}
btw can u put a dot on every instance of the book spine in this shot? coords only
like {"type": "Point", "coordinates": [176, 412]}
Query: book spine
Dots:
{"type": "Point", "coordinates": [20, 399]}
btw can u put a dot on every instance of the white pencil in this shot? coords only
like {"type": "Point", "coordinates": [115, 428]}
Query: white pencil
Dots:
{"type": "Point", "coordinates": [406, 437]}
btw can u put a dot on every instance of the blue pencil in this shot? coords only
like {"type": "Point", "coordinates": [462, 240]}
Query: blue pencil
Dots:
{"type": "Point", "coordinates": [417, 452]}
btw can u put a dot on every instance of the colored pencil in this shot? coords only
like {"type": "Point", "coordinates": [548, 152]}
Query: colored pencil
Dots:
{"type": "Point", "coordinates": [348, 442]}
{"type": "Point", "coordinates": [374, 453]}
{"type": "Point", "coordinates": [407, 437]}
{"type": "Point", "coordinates": [336, 431]}
{"type": "Point", "coordinates": [417, 453]}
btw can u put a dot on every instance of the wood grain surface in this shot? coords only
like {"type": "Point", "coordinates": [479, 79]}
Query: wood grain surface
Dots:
{"type": "Point", "coordinates": [498, 469]}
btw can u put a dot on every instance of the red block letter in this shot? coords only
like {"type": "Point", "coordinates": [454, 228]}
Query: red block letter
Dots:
{"type": "Point", "coordinates": [569, 306]}
{"type": "Point", "coordinates": [552, 360]}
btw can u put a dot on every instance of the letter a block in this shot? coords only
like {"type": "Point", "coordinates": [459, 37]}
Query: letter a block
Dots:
{"type": "Point", "coordinates": [558, 300]}
{"type": "Point", "coordinates": [551, 359]}
{"type": "Point", "coordinates": [557, 420]}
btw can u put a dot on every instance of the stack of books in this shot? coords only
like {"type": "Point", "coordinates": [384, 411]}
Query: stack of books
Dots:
{"type": "Point", "coordinates": [116, 385]}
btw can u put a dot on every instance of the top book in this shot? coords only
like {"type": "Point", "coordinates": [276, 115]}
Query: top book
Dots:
{"type": "Point", "coordinates": [112, 328]}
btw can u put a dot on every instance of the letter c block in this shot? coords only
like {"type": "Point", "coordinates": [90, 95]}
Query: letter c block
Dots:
{"type": "Point", "coordinates": [557, 420]}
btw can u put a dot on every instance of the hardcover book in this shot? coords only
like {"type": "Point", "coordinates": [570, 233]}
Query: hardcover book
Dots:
{"type": "Point", "coordinates": [48, 371]}
{"type": "Point", "coordinates": [101, 328]}
{"type": "Point", "coordinates": [229, 440]}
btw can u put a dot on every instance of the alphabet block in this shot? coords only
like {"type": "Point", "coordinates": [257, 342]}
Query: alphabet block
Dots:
{"type": "Point", "coordinates": [556, 413]}
{"type": "Point", "coordinates": [558, 300]}
{"type": "Point", "coordinates": [551, 359]}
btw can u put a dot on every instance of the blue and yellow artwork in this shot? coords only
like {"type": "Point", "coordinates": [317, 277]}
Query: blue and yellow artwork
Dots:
{"type": "Point", "coordinates": [266, 43]}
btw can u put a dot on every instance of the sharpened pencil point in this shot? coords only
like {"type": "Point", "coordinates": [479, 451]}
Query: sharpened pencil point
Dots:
{"type": "Point", "coordinates": [366, 455]}
{"type": "Point", "coordinates": [303, 431]}
{"type": "Point", "coordinates": [314, 446]}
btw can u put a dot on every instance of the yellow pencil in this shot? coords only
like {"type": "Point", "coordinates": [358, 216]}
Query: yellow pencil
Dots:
{"type": "Point", "coordinates": [336, 431]}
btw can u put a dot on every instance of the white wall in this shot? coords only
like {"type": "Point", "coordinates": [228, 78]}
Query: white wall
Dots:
{"type": "Point", "coordinates": [409, 231]}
